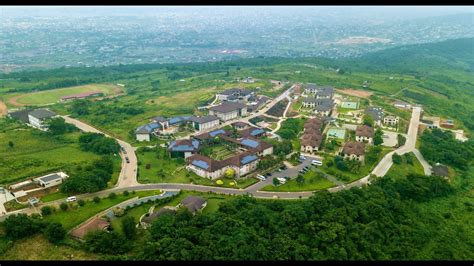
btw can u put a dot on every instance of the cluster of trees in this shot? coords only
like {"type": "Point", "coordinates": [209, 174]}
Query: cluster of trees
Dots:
{"type": "Point", "coordinates": [91, 178]}
{"type": "Point", "coordinates": [358, 224]}
{"type": "Point", "coordinates": [290, 128]}
{"type": "Point", "coordinates": [19, 226]}
{"type": "Point", "coordinates": [58, 126]}
{"type": "Point", "coordinates": [378, 137]}
{"type": "Point", "coordinates": [98, 143]}
{"type": "Point", "coordinates": [439, 146]}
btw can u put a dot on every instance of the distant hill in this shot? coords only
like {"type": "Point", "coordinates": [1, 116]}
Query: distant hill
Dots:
{"type": "Point", "coordinates": [458, 53]}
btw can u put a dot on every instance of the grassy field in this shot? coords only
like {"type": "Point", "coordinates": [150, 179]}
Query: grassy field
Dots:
{"type": "Point", "coordinates": [312, 181]}
{"type": "Point", "coordinates": [35, 153]}
{"type": "Point", "coordinates": [75, 215]}
{"type": "Point", "coordinates": [37, 247]}
{"type": "Point", "coordinates": [53, 96]}
{"type": "Point", "coordinates": [403, 169]}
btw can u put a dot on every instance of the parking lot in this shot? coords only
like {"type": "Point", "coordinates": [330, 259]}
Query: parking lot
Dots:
{"type": "Point", "coordinates": [389, 138]}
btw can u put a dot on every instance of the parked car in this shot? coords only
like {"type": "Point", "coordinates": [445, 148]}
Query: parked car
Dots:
{"type": "Point", "coordinates": [282, 180]}
{"type": "Point", "coordinates": [261, 177]}
{"type": "Point", "coordinates": [268, 174]}
{"type": "Point", "coordinates": [71, 199]}
{"type": "Point", "coordinates": [302, 157]}
{"type": "Point", "coordinates": [317, 163]}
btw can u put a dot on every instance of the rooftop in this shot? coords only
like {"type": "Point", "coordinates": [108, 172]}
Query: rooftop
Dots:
{"type": "Point", "coordinates": [365, 131]}
{"type": "Point", "coordinates": [42, 113]}
{"type": "Point", "coordinates": [204, 119]}
{"type": "Point", "coordinates": [228, 107]}
{"type": "Point", "coordinates": [184, 145]}
{"type": "Point", "coordinates": [193, 203]}
{"type": "Point", "coordinates": [353, 147]}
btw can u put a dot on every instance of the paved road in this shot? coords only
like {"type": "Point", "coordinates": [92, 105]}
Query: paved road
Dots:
{"type": "Point", "coordinates": [128, 173]}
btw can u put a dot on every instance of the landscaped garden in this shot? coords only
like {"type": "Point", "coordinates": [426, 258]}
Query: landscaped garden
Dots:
{"type": "Point", "coordinates": [310, 181]}
{"type": "Point", "coordinates": [408, 165]}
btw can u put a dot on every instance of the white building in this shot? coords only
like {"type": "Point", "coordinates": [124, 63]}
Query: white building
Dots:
{"type": "Point", "coordinates": [203, 166]}
{"type": "Point", "coordinates": [364, 134]}
{"type": "Point", "coordinates": [143, 133]}
{"type": "Point", "coordinates": [51, 179]}
{"type": "Point", "coordinates": [228, 110]}
{"type": "Point", "coordinates": [205, 122]}
{"type": "Point", "coordinates": [391, 120]}
{"type": "Point", "coordinates": [38, 117]}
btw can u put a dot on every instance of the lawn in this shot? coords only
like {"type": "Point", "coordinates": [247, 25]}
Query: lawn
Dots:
{"type": "Point", "coordinates": [75, 215]}
{"type": "Point", "coordinates": [35, 153]}
{"type": "Point", "coordinates": [312, 181]}
{"type": "Point", "coordinates": [403, 169]}
{"type": "Point", "coordinates": [53, 96]}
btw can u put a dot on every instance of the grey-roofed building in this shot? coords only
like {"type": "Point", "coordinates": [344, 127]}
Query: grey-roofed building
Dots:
{"type": "Point", "coordinates": [51, 179]}
{"type": "Point", "coordinates": [194, 203]}
{"type": "Point", "coordinates": [21, 115]}
{"type": "Point", "coordinates": [144, 132]}
{"type": "Point", "coordinates": [324, 109]}
{"type": "Point", "coordinates": [320, 92]}
{"type": "Point", "coordinates": [205, 122]}
{"type": "Point", "coordinates": [228, 110]}
{"type": "Point", "coordinates": [311, 102]}
{"type": "Point", "coordinates": [183, 147]}
{"type": "Point", "coordinates": [440, 170]}
{"type": "Point", "coordinates": [376, 113]}
{"type": "Point", "coordinates": [234, 95]}
{"type": "Point", "coordinates": [37, 118]}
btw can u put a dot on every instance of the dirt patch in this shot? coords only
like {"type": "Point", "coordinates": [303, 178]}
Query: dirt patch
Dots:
{"type": "Point", "coordinates": [3, 109]}
{"type": "Point", "coordinates": [356, 93]}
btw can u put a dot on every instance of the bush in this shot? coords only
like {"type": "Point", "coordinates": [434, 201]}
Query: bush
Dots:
{"type": "Point", "coordinates": [81, 202]}
{"type": "Point", "coordinates": [106, 242]}
{"type": "Point", "coordinates": [128, 227]}
{"type": "Point", "coordinates": [112, 195]}
{"type": "Point", "coordinates": [96, 199]}
{"type": "Point", "coordinates": [20, 226]}
{"type": "Point", "coordinates": [46, 210]}
{"type": "Point", "coordinates": [397, 159]}
{"type": "Point", "coordinates": [119, 212]}
{"type": "Point", "coordinates": [55, 232]}
{"type": "Point", "coordinates": [64, 206]}
{"type": "Point", "coordinates": [126, 193]}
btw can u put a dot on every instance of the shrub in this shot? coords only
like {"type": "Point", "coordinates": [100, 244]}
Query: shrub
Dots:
{"type": "Point", "coordinates": [112, 195]}
{"type": "Point", "coordinates": [81, 202]}
{"type": "Point", "coordinates": [64, 206]}
{"type": "Point", "coordinates": [55, 232]}
{"type": "Point", "coordinates": [46, 210]}
{"type": "Point", "coordinates": [396, 158]}
{"type": "Point", "coordinates": [96, 199]}
{"type": "Point", "coordinates": [126, 193]}
{"type": "Point", "coordinates": [119, 212]}
{"type": "Point", "coordinates": [20, 226]}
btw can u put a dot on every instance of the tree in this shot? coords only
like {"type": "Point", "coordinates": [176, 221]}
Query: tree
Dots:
{"type": "Point", "coordinates": [58, 126]}
{"type": "Point", "coordinates": [20, 226]}
{"type": "Point", "coordinates": [98, 143]}
{"type": "Point", "coordinates": [396, 158]}
{"type": "Point", "coordinates": [81, 202]}
{"type": "Point", "coordinates": [129, 227]}
{"type": "Point", "coordinates": [368, 120]}
{"type": "Point", "coordinates": [341, 165]}
{"type": "Point", "coordinates": [276, 182]}
{"type": "Point", "coordinates": [229, 173]}
{"type": "Point", "coordinates": [118, 211]}
{"type": "Point", "coordinates": [106, 242]}
{"type": "Point", "coordinates": [11, 144]}
{"type": "Point", "coordinates": [55, 232]}
{"type": "Point", "coordinates": [64, 206]}
{"type": "Point", "coordinates": [300, 179]}
{"type": "Point", "coordinates": [126, 193]}
{"type": "Point", "coordinates": [96, 199]}
{"type": "Point", "coordinates": [46, 210]}
{"type": "Point", "coordinates": [112, 195]}
{"type": "Point", "coordinates": [378, 137]}
{"type": "Point", "coordinates": [400, 140]}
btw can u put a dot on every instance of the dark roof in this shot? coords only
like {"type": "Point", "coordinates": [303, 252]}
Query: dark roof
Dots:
{"type": "Point", "coordinates": [212, 134]}
{"type": "Point", "coordinates": [375, 112]}
{"type": "Point", "coordinates": [323, 108]}
{"type": "Point", "coordinates": [204, 119]}
{"type": "Point", "coordinates": [325, 102]}
{"type": "Point", "coordinates": [325, 91]}
{"type": "Point", "coordinates": [440, 170]}
{"type": "Point", "coordinates": [365, 131]}
{"type": "Point", "coordinates": [184, 145]}
{"type": "Point", "coordinates": [148, 128]}
{"type": "Point", "coordinates": [353, 147]}
{"type": "Point", "coordinates": [227, 107]}
{"type": "Point", "coordinates": [159, 119]}
{"type": "Point", "coordinates": [251, 132]}
{"type": "Point", "coordinates": [211, 165]}
{"type": "Point", "coordinates": [239, 124]}
{"type": "Point", "coordinates": [50, 177]}
{"type": "Point", "coordinates": [311, 139]}
{"type": "Point", "coordinates": [21, 115]}
{"type": "Point", "coordinates": [193, 203]}
{"type": "Point", "coordinates": [42, 113]}
{"type": "Point", "coordinates": [157, 214]}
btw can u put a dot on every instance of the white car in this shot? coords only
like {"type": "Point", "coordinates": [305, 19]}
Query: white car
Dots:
{"type": "Point", "coordinates": [71, 199]}
{"type": "Point", "coordinates": [316, 162]}
{"type": "Point", "coordinates": [261, 177]}
{"type": "Point", "coordinates": [302, 157]}
{"type": "Point", "coordinates": [282, 180]}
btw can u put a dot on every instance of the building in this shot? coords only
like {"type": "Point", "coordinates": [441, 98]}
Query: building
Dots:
{"type": "Point", "coordinates": [240, 125]}
{"type": "Point", "coordinates": [234, 95]}
{"type": "Point", "coordinates": [205, 122]}
{"type": "Point", "coordinates": [310, 142]}
{"type": "Point", "coordinates": [183, 147]}
{"type": "Point", "coordinates": [228, 110]}
{"type": "Point", "coordinates": [353, 151]}
{"type": "Point", "coordinates": [51, 179]}
{"type": "Point", "coordinates": [194, 204]}
{"type": "Point", "coordinates": [364, 134]}
{"type": "Point", "coordinates": [320, 92]}
{"type": "Point", "coordinates": [82, 95]}
{"type": "Point", "coordinates": [440, 170]}
{"type": "Point", "coordinates": [37, 118]}
{"type": "Point", "coordinates": [143, 133]}
{"type": "Point", "coordinates": [447, 123]}
{"type": "Point", "coordinates": [21, 115]}
{"type": "Point", "coordinates": [311, 102]}
{"type": "Point", "coordinates": [147, 220]}
{"type": "Point", "coordinates": [96, 223]}
{"type": "Point", "coordinates": [376, 113]}
{"type": "Point", "coordinates": [204, 166]}
{"type": "Point", "coordinates": [324, 109]}
{"type": "Point", "coordinates": [402, 104]}
{"type": "Point", "coordinates": [251, 132]}
{"type": "Point", "coordinates": [207, 136]}
{"type": "Point", "coordinates": [391, 120]}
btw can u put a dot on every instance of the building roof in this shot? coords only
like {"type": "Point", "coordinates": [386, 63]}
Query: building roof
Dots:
{"type": "Point", "coordinates": [325, 91]}
{"type": "Point", "coordinates": [228, 107]}
{"type": "Point", "coordinates": [41, 113]}
{"type": "Point", "coordinates": [315, 127]}
{"type": "Point", "coordinates": [50, 177]}
{"type": "Point", "coordinates": [21, 115]}
{"type": "Point", "coordinates": [239, 124]}
{"type": "Point", "coordinates": [365, 131]}
{"type": "Point", "coordinates": [184, 145]}
{"type": "Point", "coordinates": [375, 112]}
{"type": "Point", "coordinates": [323, 108]}
{"type": "Point", "coordinates": [212, 134]}
{"type": "Point", "coordinates": [251, 132]}
{"type": "Point", "coordinates": [193, 203]}
{"type": "Point", "coordinates": [157, 214]}
{"type": "Point", "coordinates": [440, 170]}
{"type": "Point", "coordinates": [314, 120]}
{"type": "Point", "coordinates": [353, 147]}
{"type": "Point", "coordinates": [159, 119]}
{"type": "Point", "coordinates": [211, 165]}
{"type": "Point", "coordinates": [311, 139]}
{"type": "Point", "coordinates": [148, 128]}
{"type": "Point", "coordinates": [95, 224]}
{"type": "Point", "coordinates": [204, 119]}
{"type": "Point", "coordinates": [179, 119]}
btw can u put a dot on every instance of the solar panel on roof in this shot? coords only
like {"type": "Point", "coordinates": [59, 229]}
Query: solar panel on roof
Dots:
{"type": "Point", "coordinates": [248, 158]}
{"type": "Point", "coordinates": [200, 164]}
{"type": "Point", "coordinates": [195, 143]}
{"type": "Point", "coordinates": [250, 143]}
{"type": "Point", "coordinates": [217, 132]}
{"type": "Point", "coordinates": [257, 131]}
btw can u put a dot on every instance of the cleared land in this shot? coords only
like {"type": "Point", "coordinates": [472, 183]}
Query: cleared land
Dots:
{"type": "Point", "coordinates": [312, 181]}
{"type": "Point", "coordinates": [357, 93]}
{"type": "Point", "coordinates": [3, 109]}
{"type": "Point", "coordinates": [53, 96]}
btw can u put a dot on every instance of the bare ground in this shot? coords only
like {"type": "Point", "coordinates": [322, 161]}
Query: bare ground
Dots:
{"type": "Point", "coordinates": [3, 109]}
{"type": "Point", "coordinates": [356, 93]}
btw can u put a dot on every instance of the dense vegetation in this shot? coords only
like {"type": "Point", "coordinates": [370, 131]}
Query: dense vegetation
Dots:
{"type": "Point", "coordinates": [89, 178]}
{"type": "Point", "coordinates": [98, 143]}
